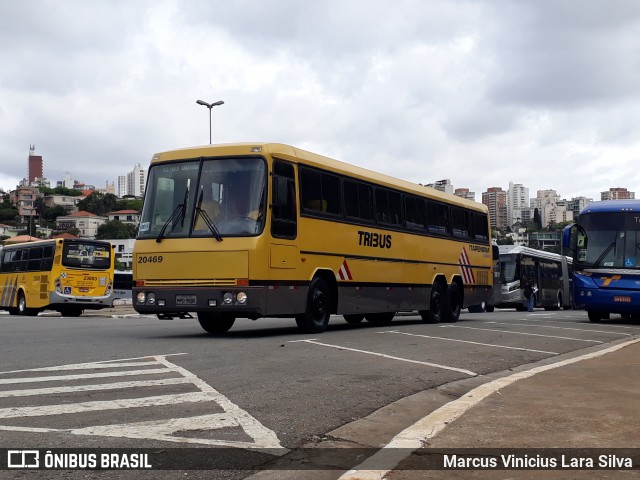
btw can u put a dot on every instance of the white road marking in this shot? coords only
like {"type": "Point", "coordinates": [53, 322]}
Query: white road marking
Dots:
{"type": "Point", "coordinates": [163, 429]}
{"type": "Point", "coordinates": [560, 328]}
{"type": "Point", "coordinates": [474, 343]}
{"type": "Point", "coordinates": [391, 357]}
{"type": "Point", "coordinates": [629, 327]}
{"type": "Point", "coordinates": [522, 333]}
{"type": "Point", "coordinates": [82, 376]}
{"type": "Point", "coordinates": [415, 436]}
{"type": "Point", "coordinates": [92, 388]}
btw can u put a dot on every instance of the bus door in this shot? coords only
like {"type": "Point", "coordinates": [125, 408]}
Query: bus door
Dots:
{"type": "Point", "coordinates": [284, 254]}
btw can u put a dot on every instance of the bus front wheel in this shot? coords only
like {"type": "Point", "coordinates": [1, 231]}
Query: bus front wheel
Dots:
{"type": "Point", "coordinates": [215, 324]}
{"type": "Point", "coordinates": [318, 308]}
{"type": "Point", "coordinates": [434, 314]}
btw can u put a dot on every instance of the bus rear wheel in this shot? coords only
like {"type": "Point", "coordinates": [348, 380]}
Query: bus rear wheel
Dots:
{"type": "Point", "coordinates": [434, 314]}
{"type": "Point", "coordinates": [354, 318]}
{"type": "Point", "coordinates": [453, 303]}
{"type": "Point", "coordinates": [318, 308]}
{"type": "Point", "coordinates": [383, 318]}
{"type": "Point", "coordinates": [216, 323]}
{"type": "Point", "coordinates": [22, 307]}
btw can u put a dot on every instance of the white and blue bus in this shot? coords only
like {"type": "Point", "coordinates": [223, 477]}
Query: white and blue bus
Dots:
{"type": "Point", "coordinates": [605, 243]}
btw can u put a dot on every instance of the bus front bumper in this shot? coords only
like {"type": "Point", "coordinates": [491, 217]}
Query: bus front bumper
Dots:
{"type": "Point", "coordinates": [240, 301]}
{"type": "Point", "coordinates": [607, 300]}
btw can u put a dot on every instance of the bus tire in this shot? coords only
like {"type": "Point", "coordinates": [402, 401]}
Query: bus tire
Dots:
{"type": "Point", "coordinates": [354, 318]}
{"type": "Point", "coordinates": [215, 323]}
{"type": "Point", "coordinates": [22, 307]}
{"type": "Point", "coordinates": [318, 308]}
{"type": "Point", "coordinates": [481, 308]}
{"type": "Point", "coordinates": [383, 318]}
{"type": "Point", "coordinates": [489, 308]}
{"type": "Point", "coordinates": [595, 316]}
{"type": "Point", "coordinates": [71, 311]}
{"type": "Point", "coordinates": [436, 300]}
{"type": "Point", "coordinates": [453, 303]}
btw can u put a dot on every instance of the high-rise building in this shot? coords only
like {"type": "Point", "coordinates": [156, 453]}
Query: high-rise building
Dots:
{"type": "Point", "coordinates": [517, 204]}
{"type": "Point", "coordinates": [618, 193]}
{"type": "Point", "coordinates": [122, 185]}
{"type": "Point", "coordinates": [35, 165]}
{"type": "Point", "coordinates": [442, 185]}
{"type": "Point", "coordinates": [465, 193]}
{"type": "Point", "coordinates": [136, 180]}
{"type": "Point", "coordinates": [496, 199]}
{"type": "Point", "coordinates": [577, 204]}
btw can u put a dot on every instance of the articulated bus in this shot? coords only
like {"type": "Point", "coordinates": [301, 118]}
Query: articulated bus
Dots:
{"type": "Point", "coordinates": [549, 272]}
{"type": "Point", "coordinates": [605, 242]}
{"type": "Point", "coordinates": [67, 275]}
{"type": "Point", "coordinates": [255, 230]}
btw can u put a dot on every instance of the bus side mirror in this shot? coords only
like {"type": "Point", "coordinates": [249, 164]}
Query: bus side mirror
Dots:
{"type": "Point", "coordinates": [566, 237]}
{"type": "Point", "coordinates": [495, 250]}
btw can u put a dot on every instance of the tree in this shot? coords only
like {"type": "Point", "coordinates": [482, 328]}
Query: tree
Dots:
{"type": "Point", "coordinates": [115, 229]}
{"type": "Point", "coordinates": [98, 203]}
{"type": "Point", "coordinates": [537, 220]}
{"type": "Point", "coordinates": [129, 204]}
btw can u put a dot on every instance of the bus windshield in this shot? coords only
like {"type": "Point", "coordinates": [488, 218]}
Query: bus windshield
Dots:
{"type": "Point", "coordinates": [612, 241]}
{"type": "Point", "coordinates": [86, 255]}
{"type": "Point", "coordinates": [508, 270]}
{"type": "Point", "coordinates": [209, 198]}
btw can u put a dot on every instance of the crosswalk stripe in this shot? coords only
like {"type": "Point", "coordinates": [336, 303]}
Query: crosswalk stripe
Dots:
{"type": "Point", "coordinates": [93, 388]}
{"type": "Point", "coordinates": [56, 378]}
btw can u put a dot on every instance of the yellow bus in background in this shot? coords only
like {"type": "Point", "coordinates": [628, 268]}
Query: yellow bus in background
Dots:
{"type": "Point", "coordinates": [254, 230]}
{"type": "Point", "coordinates": [67, 275]}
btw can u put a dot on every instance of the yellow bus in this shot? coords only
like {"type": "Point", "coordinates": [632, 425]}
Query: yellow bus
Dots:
{"type": "Point", "coordinates": [67, 275]}
{"type": "Point", "coordinates": [255, 230]}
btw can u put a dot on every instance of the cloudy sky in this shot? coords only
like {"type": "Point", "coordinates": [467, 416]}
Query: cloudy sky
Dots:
{"type": "Point", "coordinates": [545, 93]}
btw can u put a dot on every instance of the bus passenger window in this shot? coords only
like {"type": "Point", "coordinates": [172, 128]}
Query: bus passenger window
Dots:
{"type": "Point", "coordinates": [415, 213]}
{"type": "Point", "coordinates": [459, 223]}
{"type": "Point", "coordinates": [357, 200]}
{"type": "Point", "coordinates": [438, 215]}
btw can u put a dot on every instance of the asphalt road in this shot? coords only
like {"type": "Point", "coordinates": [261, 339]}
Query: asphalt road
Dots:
{"type": "Point", "coordinates": [138, 382]}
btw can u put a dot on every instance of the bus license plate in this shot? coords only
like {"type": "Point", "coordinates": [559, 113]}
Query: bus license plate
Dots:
{"type": "Point", "coordinates": [186, 300]}
{"type": "Point", "coordinates": [621, 299]}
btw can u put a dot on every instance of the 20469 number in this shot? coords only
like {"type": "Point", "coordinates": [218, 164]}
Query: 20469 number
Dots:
{"type": "Point", "coordinates": [150, 258]}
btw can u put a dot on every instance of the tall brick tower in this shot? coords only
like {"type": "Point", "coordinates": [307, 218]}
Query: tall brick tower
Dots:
{"type": "Point", "coordinates": [35, 165]}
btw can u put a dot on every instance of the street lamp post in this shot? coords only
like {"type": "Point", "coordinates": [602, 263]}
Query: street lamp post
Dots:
{"type": "Point", "coordinates": [209, 106]}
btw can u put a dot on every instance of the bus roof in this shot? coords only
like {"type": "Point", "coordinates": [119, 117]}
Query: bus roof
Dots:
{"type": "Point", "coordinates": [297, 155]}
{"type": "Point", "coordinates": [608, 206]}
{"type": "Point", "coordinates": [532, 252]}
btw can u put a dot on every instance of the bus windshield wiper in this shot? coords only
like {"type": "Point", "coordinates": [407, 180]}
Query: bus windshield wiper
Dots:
{"type": "Point", "coordinates": [178, 213]}
{"type": "Point", "coordinates": [207, 219]}
{"type": "Point", "coordinates": [604, 254]}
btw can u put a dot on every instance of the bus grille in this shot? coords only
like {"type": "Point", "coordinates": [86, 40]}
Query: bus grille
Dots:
{"type": "Point", "coordinates": [192, 282]}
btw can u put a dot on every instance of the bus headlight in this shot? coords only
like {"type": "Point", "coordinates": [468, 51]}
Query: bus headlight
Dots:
{"type": "Point", "coordinates": [141, 297]}
{"type": "Point", "coordinates": [241, 297]}
{"type": "Point", "coordinates": [227, 298]}
{"type": "Point", "coordinates": [151, 298]}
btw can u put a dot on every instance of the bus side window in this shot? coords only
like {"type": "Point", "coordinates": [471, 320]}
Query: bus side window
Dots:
{"type": "Point", "coordinates": [438, 216]}
{"type": "Point", "coordinates": [35, 259]}
{"type": "Point", "coordinates": [47, 258]}
{"type": "Point", "coordinates": [7, 261]}
{"type": "Point", "coordinates": [459, 222]}
{"type": "Point", "coordinates": [283, 197]}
